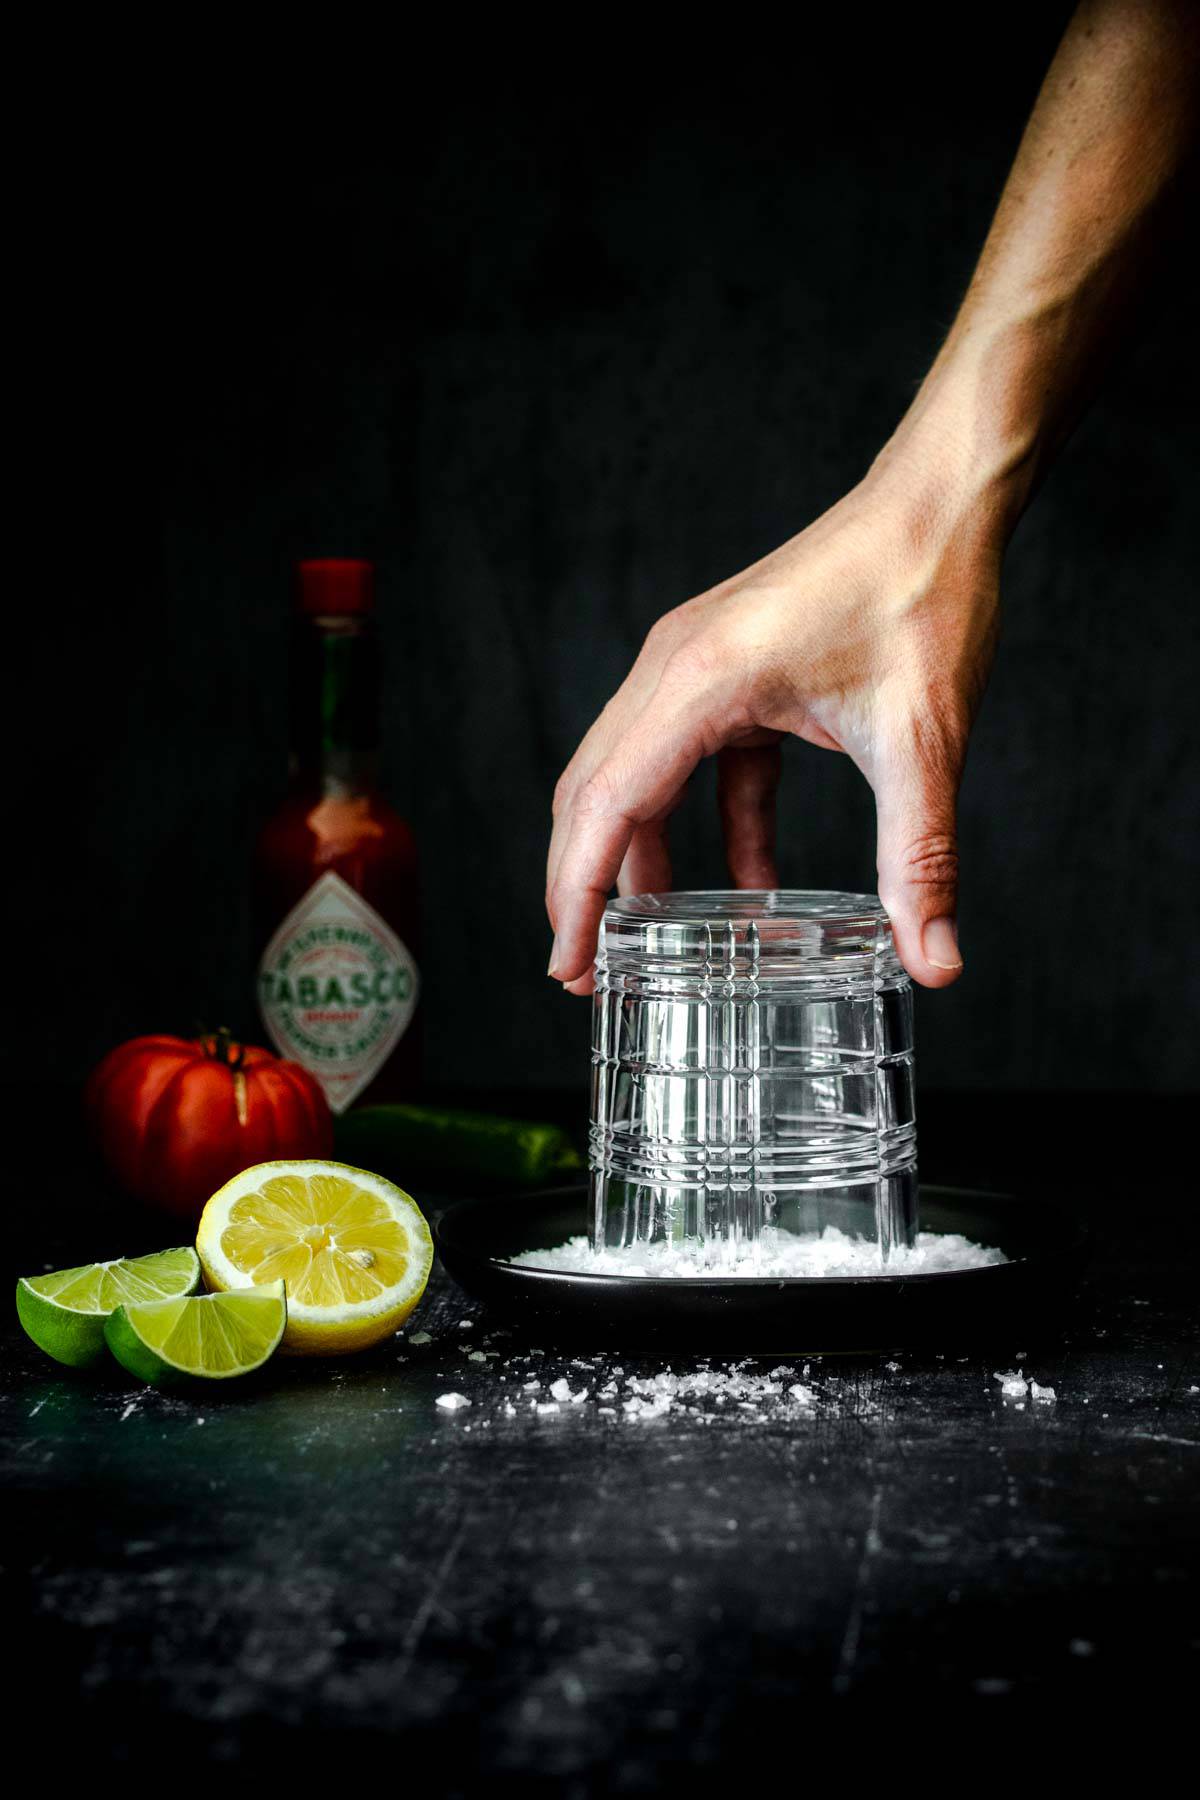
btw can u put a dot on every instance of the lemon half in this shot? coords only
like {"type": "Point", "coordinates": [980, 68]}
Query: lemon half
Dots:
{"type": "Point", "coordinates": [352, 1249]}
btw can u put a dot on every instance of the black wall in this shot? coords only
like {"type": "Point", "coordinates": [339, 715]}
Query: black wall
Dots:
{"type": "Point", "coordinates": [558, 354]}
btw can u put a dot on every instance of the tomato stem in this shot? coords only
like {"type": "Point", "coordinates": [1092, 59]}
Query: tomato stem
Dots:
{"type": "Point", "coordinates": [223, 1047]}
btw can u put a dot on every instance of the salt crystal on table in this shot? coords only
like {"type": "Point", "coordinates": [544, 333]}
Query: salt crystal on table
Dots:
{"type": "Point", "coordinates": [561, 1389]}
{"type": "Point", "coordinates": [1012, 1382]}
{"type": "Point", "coordinates": [452, 1402]}
{"type": "Point", "coordinates": [420, 1337]}
{"type": "Point", "coordinates": [1042, 1393]}
{"type": "Point", "coordinates": [476, 1356]}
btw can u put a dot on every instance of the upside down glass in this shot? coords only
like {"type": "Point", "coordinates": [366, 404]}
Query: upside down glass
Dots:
{"type": "Point", "coordinates": [752, 1063]}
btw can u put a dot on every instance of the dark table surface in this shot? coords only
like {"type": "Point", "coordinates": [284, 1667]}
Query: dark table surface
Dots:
{"type": "Point", "coordinates": [593, 1600]}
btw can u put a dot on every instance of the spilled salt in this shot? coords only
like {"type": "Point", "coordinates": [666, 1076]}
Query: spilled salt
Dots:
{"type": "Point", "coordinates": [1012, 1382]}
{"type": "Point", "coordinates": [452, 1402]}
{"type": "Point", "coordinates": [776, 1255]}
{"type": "Point", "coordinates": [651, 1396]}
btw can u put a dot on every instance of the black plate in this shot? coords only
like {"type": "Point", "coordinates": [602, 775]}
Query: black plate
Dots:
{"type": "Point", "coordinates": [1012, 1304]}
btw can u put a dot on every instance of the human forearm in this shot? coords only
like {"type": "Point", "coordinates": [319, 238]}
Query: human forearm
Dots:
{"type": "Point", "coordinates": [1101, 153]}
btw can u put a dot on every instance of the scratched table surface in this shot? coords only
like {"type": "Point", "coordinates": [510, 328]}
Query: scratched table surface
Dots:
{"type": "Point", "coordinates": [591, 1595]}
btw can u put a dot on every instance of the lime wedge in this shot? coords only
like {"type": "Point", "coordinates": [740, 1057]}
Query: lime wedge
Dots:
{"type": "Point", "coordinates": [212, 1336]}
{"type": "Point", "coordinates": [64, 1312]}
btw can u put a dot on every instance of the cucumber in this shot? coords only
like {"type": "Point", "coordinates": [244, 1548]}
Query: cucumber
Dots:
{"type": "Point", "coordinates": [449, 1144]}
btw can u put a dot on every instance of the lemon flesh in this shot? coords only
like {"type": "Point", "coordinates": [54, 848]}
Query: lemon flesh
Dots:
{"type": "Point", "coordinates": [352, 1248]}
{"type": "Point", "coordinates": [208, 1336]}
{"type": "Point", "coordinates": [64, 1312]}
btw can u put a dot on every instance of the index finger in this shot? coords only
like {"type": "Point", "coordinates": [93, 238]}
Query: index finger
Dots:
{"type": "Point", "coordinates": [635, 782]}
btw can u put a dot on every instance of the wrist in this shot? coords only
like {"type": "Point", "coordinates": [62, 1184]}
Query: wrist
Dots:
{"type": "Point", "coordinates": [969, 446]}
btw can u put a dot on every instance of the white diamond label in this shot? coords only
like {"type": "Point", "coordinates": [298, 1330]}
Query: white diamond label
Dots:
{"type": "Point", "coordinates": [337, 989]}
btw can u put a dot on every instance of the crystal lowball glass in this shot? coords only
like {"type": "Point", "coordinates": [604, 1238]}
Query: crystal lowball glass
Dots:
{"type": "Point", "coordinates": [752, 1064]}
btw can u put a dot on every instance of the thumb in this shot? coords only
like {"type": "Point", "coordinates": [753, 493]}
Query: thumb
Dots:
{"type": "Point", "coordinates": [918, 864]}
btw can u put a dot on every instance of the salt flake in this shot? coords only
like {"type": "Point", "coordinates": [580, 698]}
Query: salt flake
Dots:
{"type": "Point", "coordinates": [1012, 1382]}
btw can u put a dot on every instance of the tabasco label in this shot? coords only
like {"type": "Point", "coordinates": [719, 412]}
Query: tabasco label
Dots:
{"type": "Point", "coordinates": [337, 989]}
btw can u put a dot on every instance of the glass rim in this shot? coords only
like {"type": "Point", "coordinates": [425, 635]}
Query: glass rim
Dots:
{"type": "Point", "coordinates": [744, 934]}
{"type": "Point", "coordinates": [722, 906]}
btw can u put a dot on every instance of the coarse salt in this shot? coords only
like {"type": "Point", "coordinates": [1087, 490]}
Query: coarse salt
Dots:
{"type": "Point", "coordinates": [452, 1402]}
{"type": "Point", "coordinates": [775, 1255]}
{"type": "Point", "coordinates": [1012, 1382]}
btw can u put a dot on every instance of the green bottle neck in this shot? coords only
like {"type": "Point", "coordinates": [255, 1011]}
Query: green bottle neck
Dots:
{"type": "Point", "coordinates": [335, 705]}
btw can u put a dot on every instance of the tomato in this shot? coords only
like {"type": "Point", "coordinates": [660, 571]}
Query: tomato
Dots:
{"type": "Point", "coordinates": [175, 1118]}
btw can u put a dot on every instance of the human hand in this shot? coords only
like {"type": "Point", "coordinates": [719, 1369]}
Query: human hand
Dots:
{"type": "Point", "coordinates": [870, 633]}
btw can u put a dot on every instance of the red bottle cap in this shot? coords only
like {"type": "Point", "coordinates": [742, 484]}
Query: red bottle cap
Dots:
{"type": "Point", "coordinates": [335, 585]}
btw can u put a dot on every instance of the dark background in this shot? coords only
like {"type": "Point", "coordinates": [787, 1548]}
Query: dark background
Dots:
{"type": "Point", "coordinates": [560, 344]}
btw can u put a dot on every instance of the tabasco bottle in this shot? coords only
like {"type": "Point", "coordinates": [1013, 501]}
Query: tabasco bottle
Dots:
{"type": "Point", "coordinates": [336, 875]}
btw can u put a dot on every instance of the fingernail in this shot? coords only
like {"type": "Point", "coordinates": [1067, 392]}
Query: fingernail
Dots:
{"type": "Point", "coordinates": [939, 941]}
{"type": "Point", "coordinates": [552, 964]}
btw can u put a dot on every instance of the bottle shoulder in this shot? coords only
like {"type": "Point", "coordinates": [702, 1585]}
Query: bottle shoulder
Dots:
{"type": "Point", "coordinates": [323, 827]}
